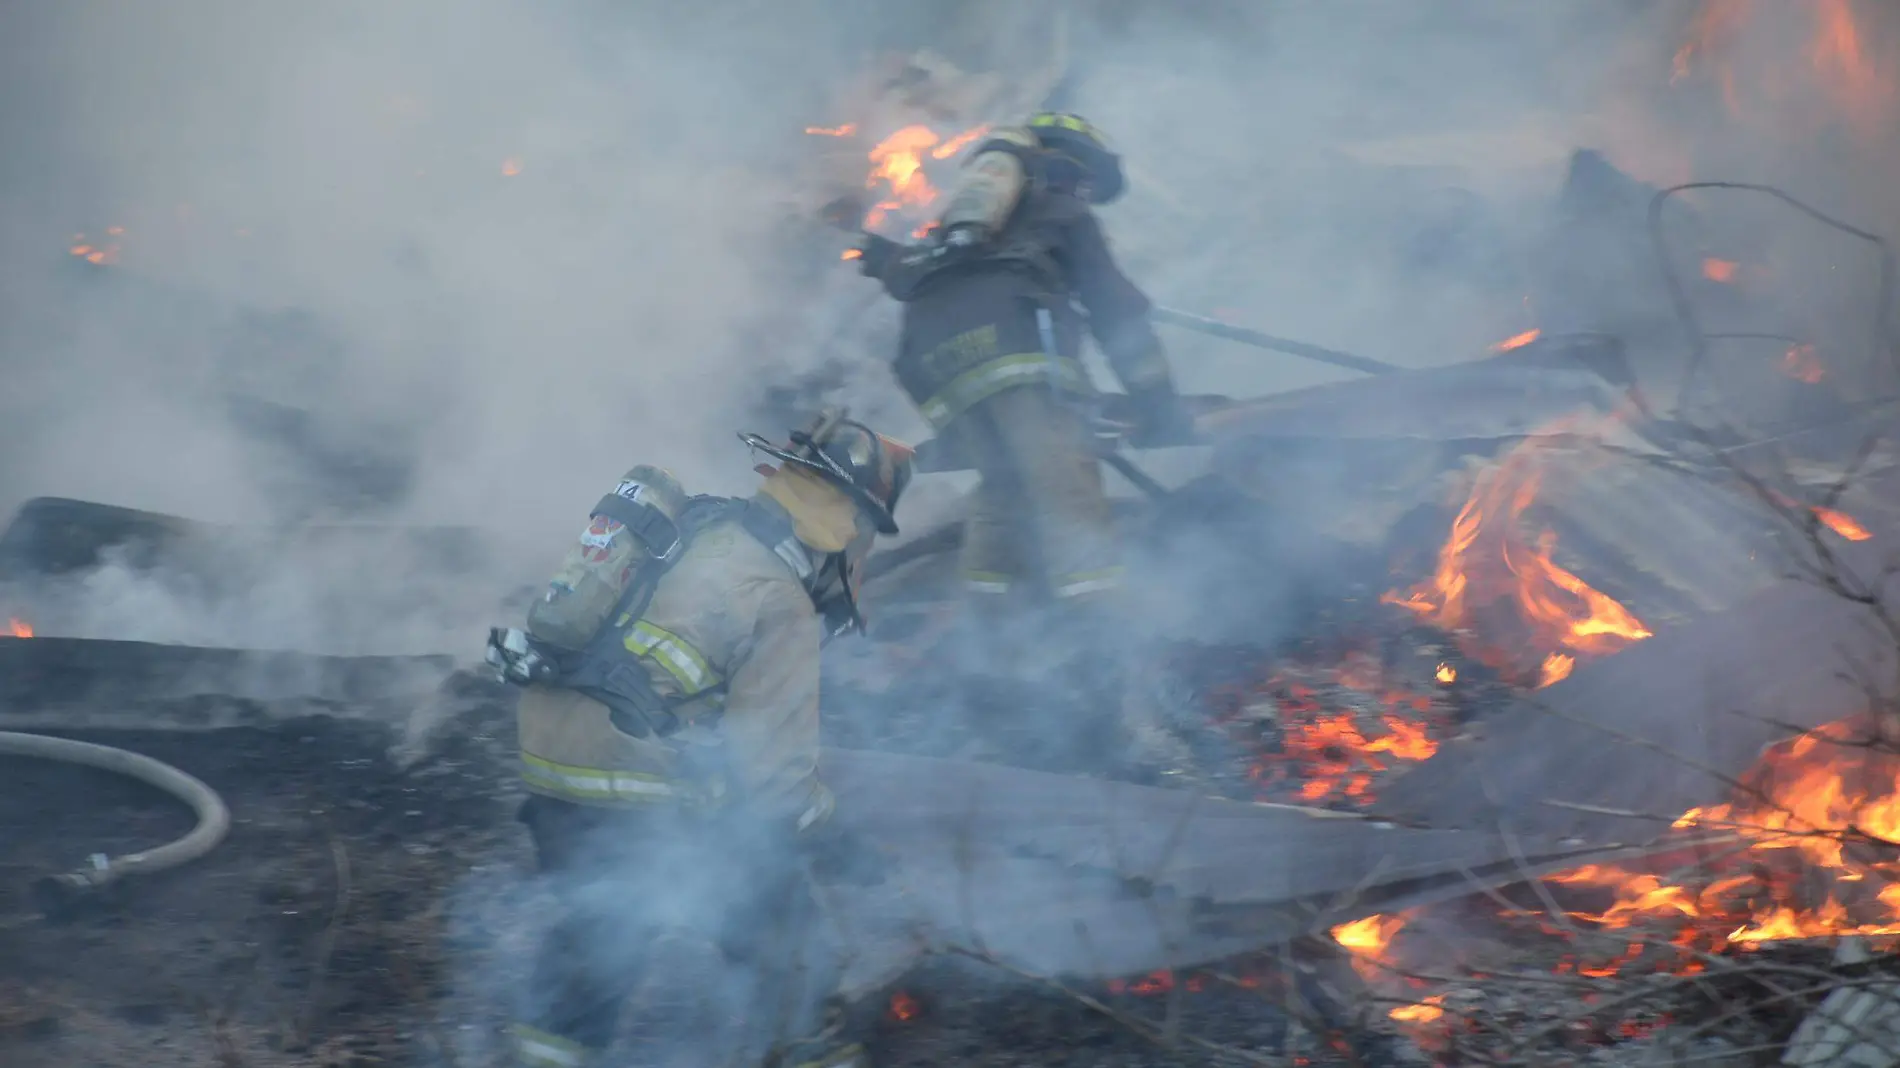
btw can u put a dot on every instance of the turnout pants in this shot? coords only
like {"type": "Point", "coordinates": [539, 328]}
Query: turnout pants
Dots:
{"type": "Point", "coordinates": [1042, 573]}
{"type": "Point", "coordinates": [1041, 526]}
{"type": "Point", "coordinates": [624, 879]}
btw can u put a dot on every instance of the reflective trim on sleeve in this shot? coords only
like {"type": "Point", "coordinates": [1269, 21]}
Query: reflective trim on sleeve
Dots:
{"type": "Point", "coordinates": [1083, 583]}
{"type": "Point", "coordinates": [993, 582]}
{"type": "Point", "coordinates": [600, 785]}
{"type": "Point", "coordinates": [820, 809]}
{"type": "Point", "coordinates": [535, 1048]}
{"type": "Point", "coordinates": [990, 378]}
{"type": "Point", "coordinates": [674, 654]}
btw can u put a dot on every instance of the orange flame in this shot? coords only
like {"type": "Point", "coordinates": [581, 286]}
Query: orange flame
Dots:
{"type": "Point", "coordinates": [1489, 564]}
{"type": "Point", "coordinates": [18, 628]}
{"type": "Point", "coordinates": [1517, 341]}
{"type": "Point", "coordinates": [1808, 801]}
{"type": "Point", "coordinates": [1370, 937]}
{"type": "Point", "coordinates": [1329, 756]}
{"type": "Point", "coordinates": [1801, 364]}
{"type": "Point", "coordinates": [903, 1006]}
{"type": "Point", "coordinates": [1715, 22]}
{"type": "Point", "coordinates": [1446, 674]}
{"type": "Point", "coordinates": [1720, 270]}
{"type": "Point", "coordinates": [1841, 523]}
{"type": "Point", "coordinates": [1832, 518]}
{"type": "Point", "coordinates": [511, 166]}
{"type": "Point", "coordinates": [1426, 1011]}
{"type": "Point", "coordinates": [102, 252]}
{"type": "Point", "coordinates": [899, 171]}
{"type": "Point", "coordinates": [1835, 54]}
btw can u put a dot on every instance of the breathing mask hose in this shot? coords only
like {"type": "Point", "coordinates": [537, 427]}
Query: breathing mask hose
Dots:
{"type": "Point", "coordinates": [214, 819]}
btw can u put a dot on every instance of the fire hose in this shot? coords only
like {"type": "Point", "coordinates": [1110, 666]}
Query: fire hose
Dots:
{"type": "Point", "coordinates": [214, 819]}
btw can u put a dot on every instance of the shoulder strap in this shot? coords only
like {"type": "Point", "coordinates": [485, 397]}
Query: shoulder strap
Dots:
{"type": "Point", "coordinates": [774, 531]}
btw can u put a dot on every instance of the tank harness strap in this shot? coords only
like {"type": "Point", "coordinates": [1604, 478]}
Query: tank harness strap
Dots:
{"type": "Point", "coordinates": [602, 670]}
{"type": "Point", "coordinates": [661, 535]}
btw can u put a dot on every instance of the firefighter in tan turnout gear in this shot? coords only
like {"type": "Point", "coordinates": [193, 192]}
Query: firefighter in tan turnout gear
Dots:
{"type": "Point", "coordinates": [669, 737]}
{"type": "Point", "coordinates": [996, 303]}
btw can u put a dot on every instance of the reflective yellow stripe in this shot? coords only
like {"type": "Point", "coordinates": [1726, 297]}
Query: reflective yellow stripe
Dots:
{"type": "Point", "coordinates": [600, 785]}
{"type": "Point", "coordinates": [673, 653]}
{"type": "Point", "coordinates": [1068, 122]}
{"type": "Point", "coordinates": [993, 377]}
{"type": "Point", "coordinates": [986, 581]}
{"type": "Point", "coordinates": [539, 1049]}
{"type": "Point", "coordinates": [1086, 582]}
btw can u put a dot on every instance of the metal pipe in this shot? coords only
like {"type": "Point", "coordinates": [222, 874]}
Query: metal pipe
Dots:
{"type": "Point", "coordinates": [214, 819]}
{"type": "Point", "coordinates": [1216, 328]}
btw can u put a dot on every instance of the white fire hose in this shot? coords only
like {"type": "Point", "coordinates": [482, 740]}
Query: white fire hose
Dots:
{"type": "Point", "coordinates": [214, 819]}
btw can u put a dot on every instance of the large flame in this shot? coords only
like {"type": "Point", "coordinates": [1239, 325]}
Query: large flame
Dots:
{"type": "Point", "coordinates": [18, 628]}
{"type": "Point", "coordinates": [1819, 817]}
{"type": "Point", "coordinates": [899, 172]}
{"type": "Point", "coordinates": [1829, 52]}
{"type": "Point", "coordinates": [1491, 564]}
{"type": "Point", "coordinates": [1817, 855]}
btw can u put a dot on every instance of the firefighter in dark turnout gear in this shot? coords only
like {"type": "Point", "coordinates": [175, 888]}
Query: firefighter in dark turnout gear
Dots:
{"type": "Point", "coordinates": [672, 761]}
{"type": "Point", "coordinates": [996, 303]}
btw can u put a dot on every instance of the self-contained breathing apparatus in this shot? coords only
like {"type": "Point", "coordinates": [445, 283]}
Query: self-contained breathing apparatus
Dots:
{"type": "Point", "coordinates": [581, 631]}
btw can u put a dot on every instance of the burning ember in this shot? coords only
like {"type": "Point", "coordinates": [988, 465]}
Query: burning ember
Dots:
{"type": "Point", "coordinates": [903, 1006]}
{"type": "Point", "coordinates": [1720, 270]}
{"type": "Point", "coordinates": [899, 174]}
{"type": "Point", "coordinates": [1494, 578]}
{"type": "Point", "coordinates": [98, 252]}
{"type": "Point", "coordinates": [1832, 518]}
{"type": "Point", "coordinates": [18, 628]}
{"type": "Point", "coordinates": [1333, 736]}
{"type": "Point", "coordinates": [1517, 341]}
{"type": "Point", "coordinates": [1841, 523]}
{"type": "Point", "coordinates": [1801, 364]}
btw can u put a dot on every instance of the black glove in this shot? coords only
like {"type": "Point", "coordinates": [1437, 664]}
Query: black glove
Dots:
{"type": "Point", "coordinates": [845, 213]}
{"type": "Point", "coordinates": [843, 857]}
{"type": "Point", "coordinates": [1160, 418]}
{"type": "Point", "coordinates": [875, 254]}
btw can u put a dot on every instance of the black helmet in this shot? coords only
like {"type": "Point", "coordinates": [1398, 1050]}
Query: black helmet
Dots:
{"type": "Point", "coordinates": [1070, 138]}
{"type": "Point", "coordinates": [870, 467]}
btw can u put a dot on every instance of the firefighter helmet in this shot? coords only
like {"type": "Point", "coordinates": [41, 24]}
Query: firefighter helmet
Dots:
{"type": "Point", "coordinates": [1072, 139]}
{"type": "Point", "coordinates": [870, 467]}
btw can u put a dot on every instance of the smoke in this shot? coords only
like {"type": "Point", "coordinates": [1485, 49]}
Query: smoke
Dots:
{"type": "Point", "coordinates": [528, 239]}
{"type": "Point", "coordinates": [454, 263]}
{"type": "Point", "coordinates": [462, 262]}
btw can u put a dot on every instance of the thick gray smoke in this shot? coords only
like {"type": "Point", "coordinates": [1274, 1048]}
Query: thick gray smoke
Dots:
{"type": "Point", "coordinates": [462, 262]}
